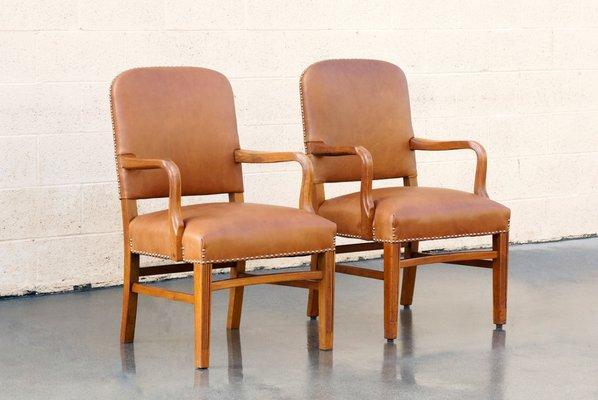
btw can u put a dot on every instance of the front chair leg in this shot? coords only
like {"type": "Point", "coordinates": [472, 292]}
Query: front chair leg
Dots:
{"type": "Point", "coordinates": [326, 299]}
{"type": "Point", "coordinates": [312, 295]}
{"type": "Point", "coordinates": [408, 284]}
{"type": "Point", "coordinates": [392, 275]}
{"type": "Point", "coordinates": [235, 298]}
{"type": "Point", "coordinates": [129, 306]}
{"type": "Point", "coordinates": [202, 281]}
{"type": "Point", "coordinates": [500, 244]}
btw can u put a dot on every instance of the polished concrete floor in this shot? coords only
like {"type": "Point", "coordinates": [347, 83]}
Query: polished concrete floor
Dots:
{"type": "Point", "coordinates": [66, 346]}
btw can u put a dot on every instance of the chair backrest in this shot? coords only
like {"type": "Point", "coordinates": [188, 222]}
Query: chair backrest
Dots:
{"type": "Point", "coordinates": [358, 103]}
{"type": "Point", "coordinates": [183, 114]}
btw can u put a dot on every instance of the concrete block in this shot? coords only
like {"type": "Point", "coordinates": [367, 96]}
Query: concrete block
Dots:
{"type": "Point", "coordinates": [19, 56]}
{"type": "Point", "coordinates": [17, 267]}
{"type": "Point", "coordinates": [514, 135]}
{"type": "Point", "coordinates": [40, 212]}
{"type": "Point", "coordinates": [38, 15]}
{"type": "Point", "coordinates": [204, 15]}
{"type": "Point", "coordinates": [64, 262]}
{"type": "Point", "coordinates": [520, 49]}
{"type": "Point", "coordinates": [18, 161]}
{"type": "Point", "coordinates": [100, 208]}
{"type": "Point", "coordinates": [83, 158]}
{"type": "Point", "coordinates": [122, 16]}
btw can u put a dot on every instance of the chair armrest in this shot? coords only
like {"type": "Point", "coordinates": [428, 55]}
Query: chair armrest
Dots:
{"type": "Point", "coordinates": [321, 149]}
{"type": "Point", "coordinates": [175, 213]}
{"type": "Point", "coordinates": [479, 187]}
{"type": "Point", "coordinates": [258, 157]}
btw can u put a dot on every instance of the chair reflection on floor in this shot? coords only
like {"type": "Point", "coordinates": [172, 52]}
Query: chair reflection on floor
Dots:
{"type": "Point", "coordinates": [318, 361]}
{"type": "Point", "coordinates": [127, 358]}
{"type": "Point", "coordinates": [404, 364]}
{"type": "Point", "coordinates": [235, 356]}
{"type": "Point", "coordinates": [235, 363]}
{"type": "Point", "coordinates": [497, 365]}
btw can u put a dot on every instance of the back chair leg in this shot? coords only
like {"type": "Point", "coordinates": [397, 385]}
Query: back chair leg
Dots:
{"type": "Point", "coordinates": [129, 306]}
{"type": "Point", "coordinates": [408, 285]}
{"type": "Point", "coordinates": [312, 296]}
{"type": "Point", "coordinates": [202, 281]}
{"type": "Point", "coordinates": [392, 275]}
{"type": "Point", "coordinates": [500, 244]}
{"type": "Point", "coordinates": [235, 298]}
{"type": "Point", "coordinates": [325, 298]}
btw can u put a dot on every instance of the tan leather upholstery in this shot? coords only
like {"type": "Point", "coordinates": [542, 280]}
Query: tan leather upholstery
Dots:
{"type": "Point", "coordinates": [182, 120]}
{"type": "Point", "coordinates": [366, 103]}
{"type": "Point", "coordinates": [218, 232]}
{"type": "Point", "coordinates": [419, 213]}
{"type": "Point", "coordinates": [182, 114]}
{"type": "Point", "coordinates": [358, 103]}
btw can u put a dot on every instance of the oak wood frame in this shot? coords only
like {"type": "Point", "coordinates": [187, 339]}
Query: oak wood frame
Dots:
{"type": "Point", "coordinates": [321, 279]}
{"type": "Point", "coordinates": [497, 259]}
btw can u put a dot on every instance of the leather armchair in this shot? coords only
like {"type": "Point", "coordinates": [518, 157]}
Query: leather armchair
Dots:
{"type": "Point", "coordinates": [175, 135]}
{"type": "Point", "coordinates": [357, 127]}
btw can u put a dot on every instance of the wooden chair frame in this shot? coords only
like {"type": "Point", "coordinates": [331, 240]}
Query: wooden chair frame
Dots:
{"type": "Point", "coordinates": [320, 279]}
{"type": "Point", "coordinates": [495, 259]}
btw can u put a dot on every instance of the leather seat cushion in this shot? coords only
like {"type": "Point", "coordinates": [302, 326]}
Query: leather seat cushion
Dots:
{"type": "Point", "coordinates": [219, 232]}
{"type": "Point", "coordinates": [419, 213]}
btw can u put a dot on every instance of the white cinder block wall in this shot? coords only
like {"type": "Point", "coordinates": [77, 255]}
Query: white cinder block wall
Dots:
{"type": "Point", "coordinates": [519, 76]}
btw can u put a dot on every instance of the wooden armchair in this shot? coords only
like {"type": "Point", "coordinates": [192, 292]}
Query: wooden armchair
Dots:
{"type": "Point", "coordinates": [357, 126]}
{"type": "Point", "coordinates": [175, 135]}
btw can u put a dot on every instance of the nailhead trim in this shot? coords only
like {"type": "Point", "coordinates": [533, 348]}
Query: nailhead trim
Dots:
{"type": "Point", "coordinates": [350, 236]}
{"type": "Point", "coordinates": [438, 237]}
{"type": "Point", "coordinates": [294, 253]}
{"type": "Point", "coordinates": [395, 240]}
{"type": "Point", "coordinates": [204, 261]}
{"type": "Point", "coordinates": [303, 110]}
{"type": "Point", "coordinates": [111, 100]}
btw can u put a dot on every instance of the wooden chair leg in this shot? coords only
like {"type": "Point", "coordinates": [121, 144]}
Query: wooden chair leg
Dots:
{"type": "Point", "coordinates": [392, 275]}
{"type": "Point", "coordinates": [408, 284]}
{"type": "Point", "coordinates": [312, 296]}
{"type": "Point", "coordinates": [235, 298]}
{"type": "Point", "coordinates": [129, 306]}
{"type": "Point", "coordinates": [326, 299]}
{"type": "Point", "coordinates": [202, 280]}
{"type": "Point", "coordinates": [500, 244]}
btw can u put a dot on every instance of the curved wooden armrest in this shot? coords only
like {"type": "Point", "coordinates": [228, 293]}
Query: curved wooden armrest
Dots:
{"type": "Point", "coordinates": [175, 213]}
{"type": "Point", "coordinates": [321, 149]}
{"type": "Point", "coordinates": [305, 198]}
{"type": "Point", "coordinates": [479, 186]}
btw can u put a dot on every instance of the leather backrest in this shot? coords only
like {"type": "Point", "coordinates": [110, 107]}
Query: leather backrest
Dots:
{"type": "Point", "coordinates": [358, 103]}
{"type": "Point", "coordinates": [183, 114]}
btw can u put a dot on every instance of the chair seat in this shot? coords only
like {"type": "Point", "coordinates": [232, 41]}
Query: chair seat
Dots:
{"type": "Point", "coordinates": [221, 232]}
{"type": "Point", "coordinates": [404, 214]}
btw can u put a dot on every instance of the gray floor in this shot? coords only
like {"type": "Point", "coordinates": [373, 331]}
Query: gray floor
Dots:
{"type": "Point", "coordinates": [66, 346]}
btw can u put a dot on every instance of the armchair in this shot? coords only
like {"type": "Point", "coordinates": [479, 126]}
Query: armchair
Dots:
{"type": "Point", "coordinates": [361, 107]}
{"type": "Point", "coordinates": [175, 135]}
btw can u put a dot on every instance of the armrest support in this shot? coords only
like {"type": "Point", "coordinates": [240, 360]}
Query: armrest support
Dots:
{"type": "Point", "coordinates": [175, 214]}
{"type": "Point", "coordinates": [320, 149]}
{"type": "Point", "coordinates": [479, 187]}
{"type": "Point", "coordinates": [305, 198]}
